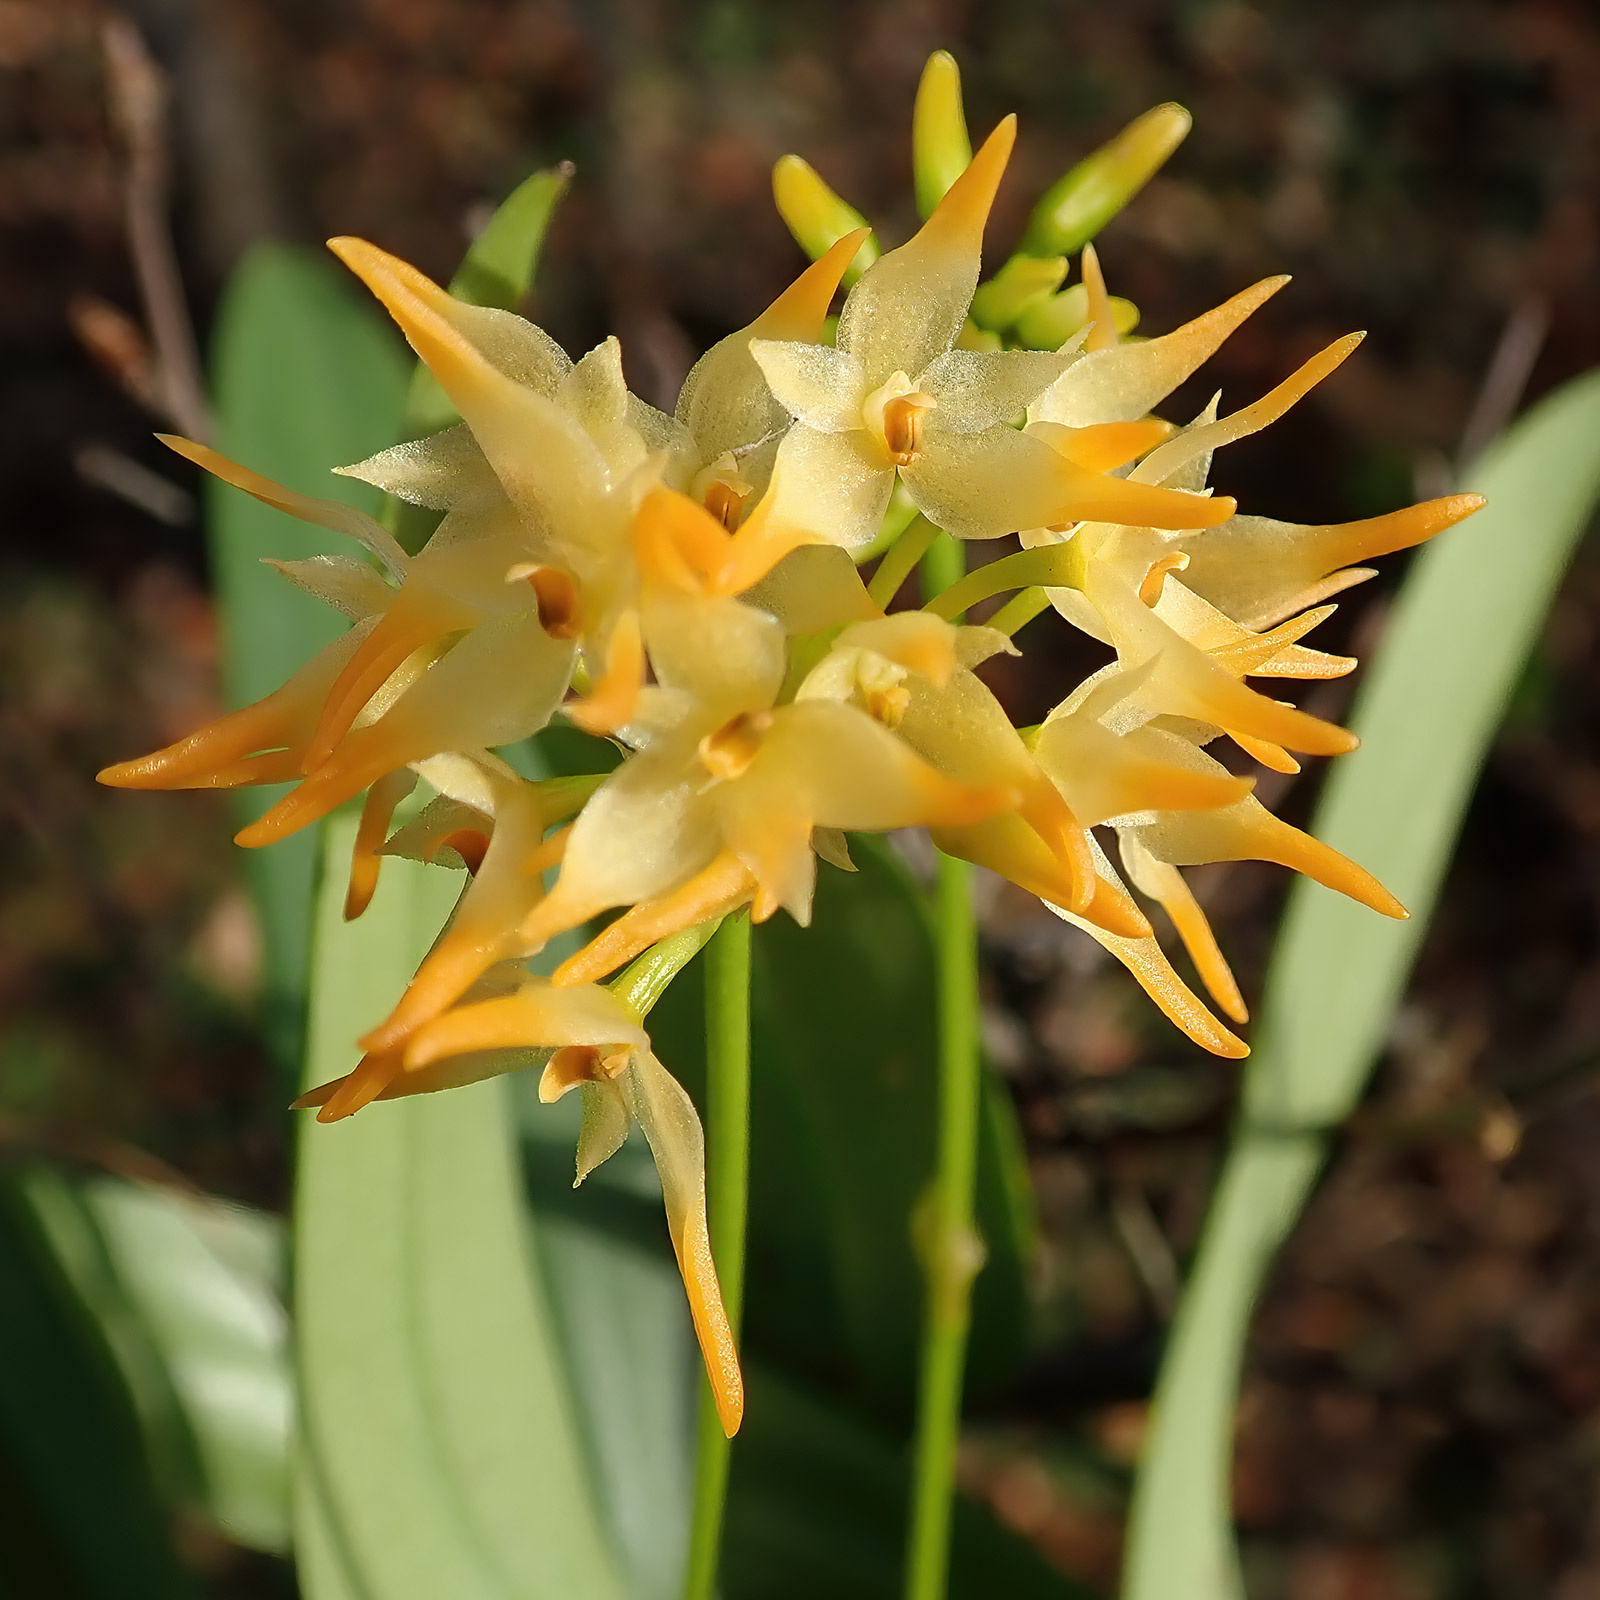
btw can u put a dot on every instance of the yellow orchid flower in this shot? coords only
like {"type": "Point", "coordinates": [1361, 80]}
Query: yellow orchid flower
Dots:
{"type": "Point", "coordinates": [894, 399]}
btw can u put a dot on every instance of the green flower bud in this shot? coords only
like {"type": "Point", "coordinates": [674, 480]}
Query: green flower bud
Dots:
{"type": "Point", "coordinates": [1078, 206]}
{"type": "Point", "coordinates": [816, 216]}
{"type": "Point", "coordinates": [1022, 283]}
{"type": "Point", "coordinates": [1050, 323]}
{"type": "Point", "coordinates": [940, 147]}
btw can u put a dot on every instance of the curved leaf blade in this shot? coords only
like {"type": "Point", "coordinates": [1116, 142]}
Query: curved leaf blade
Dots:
{"type": "Point", "coordinates": [1463, 626]}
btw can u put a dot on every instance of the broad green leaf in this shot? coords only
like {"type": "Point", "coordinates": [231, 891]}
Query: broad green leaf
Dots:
{"type": "Point", "coordinates": [305, 378]}
{"type": "Point", "coordinates": [843, 1140]}
{"type": "Point", "coordinates": [187, 1293]}
{"type": "Point", "coordinates": [623, 1325]}
{"type": "Point", "coordinates": [817, 1507]}
{"type": "Point", "coordinates": [440, 1441]}
{"type": "Point", "coordinates": [521, 1358]}
{"type": "Point", "coordinates": [1464, 624]}
{"type": "Point", "coordinates": [80, 1517]}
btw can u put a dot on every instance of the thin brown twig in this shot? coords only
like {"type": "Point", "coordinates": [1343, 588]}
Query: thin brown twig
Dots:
{"type": "Point", "coordinates": [1504, 381]}
{"type": "Point", "coordinates": [138, 98]}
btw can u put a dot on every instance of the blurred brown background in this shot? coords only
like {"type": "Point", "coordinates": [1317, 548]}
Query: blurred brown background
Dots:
{"type": "Point", "coordinates": [1422, 1413]}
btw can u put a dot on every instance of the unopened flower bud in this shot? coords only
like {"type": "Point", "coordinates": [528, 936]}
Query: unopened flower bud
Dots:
{"type": "Point", "coordinates": [1022, 283]}
{"type": "Point", "coordinates": [940, 147]}
{"type": "Point", "coordinates": [816, 216]}
{"type": "Point", "coordinates": [1074, 209]}
{"type": "Point", "coordinates": [1049, 323]}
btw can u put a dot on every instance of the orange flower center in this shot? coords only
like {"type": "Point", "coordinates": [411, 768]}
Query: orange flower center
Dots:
{"type": "Point", "coordinates": [728, 752]}
{"type": "Point", "coordinates": [557, 598]}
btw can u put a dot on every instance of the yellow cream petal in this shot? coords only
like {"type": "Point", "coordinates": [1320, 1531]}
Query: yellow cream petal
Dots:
{"type": "Point", "coordinates": [347, 584]}
{"type": "Point", "coordinates": [444, 472]}
{"type": "Point", "coordinates": [612, 701]}
{"type": "Point", "coordinates": [840, 769]}
{"type": "Point", "coordinates": [1186, 682]}
{"type": "Point", "coordinates": [1105, 446]}
{"type": "Point", "coordinates": [802, 308]}
{"type": "Point", "coordinates": [646, 830]}
{"type": "Point", "coordinates": [606, 1120]}
{"type": "Point", "coordinates": [1247, 831]}
{"type": "Point", "coordinates": [1260, 571]}
{"type": "Point", "coordinates": [324, 513]}
{"type": "Point", "coordinates": [1006, 845]}
{"type": "Point", "coordinates": [827, 488]}
{"type": "Point", "coordinates": [537, 1016]}
{"type": "Point", "coordinates": [418, 617]}
{"type": "Point", "coordinates": [976, 389]}
{"type": "Point", "coordinates": [667, 1115]}
{"type": "Point", "coordinates": [813, 588]}
{"type": "Point", "coordinates": [910, 304]}
{"type": "Point", "coordinates": [985, 485]}
{"type": "Point", "coordinates": [501, 683]}
{"type": "Point", "coordinates": [818, 385]}
{"type": "Point", "coordinates": [1173, 456]}
{"type": "Point", "coordinates": [1105, 775]}
{"type": "Point", "coordinates": [1131, 380]}
{"type": "Point", "coordinates": [727, 655]}
{"type": "Point", "coordinates": [1268, 754]}
{"type": "Point", "coordinates": [506, 884]}
{"type": "Point", "coordinates": [347, 1095]}
{"type": "Point", "coordinates": [915, 640]}
{"type": "Point", "coordinates": [541, 455]}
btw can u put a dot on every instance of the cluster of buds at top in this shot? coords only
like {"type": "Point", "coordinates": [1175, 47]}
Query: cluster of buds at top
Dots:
{"type": "Point", "coordinates": [688, 589]}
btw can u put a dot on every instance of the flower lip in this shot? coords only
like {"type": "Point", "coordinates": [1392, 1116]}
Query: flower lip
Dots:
{"type": "Point", "coordinates": [573, 1064]}
{"type": "Point", "coordinates": [728, 752]}
{"type": "Point", "coordinates": [555, 594]}
{"type": "Point", "coordinates": [893, 416]}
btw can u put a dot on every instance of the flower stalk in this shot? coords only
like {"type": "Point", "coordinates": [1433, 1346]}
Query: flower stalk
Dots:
{"type": "Point", "coordinates": [728, 1191]}
{"type": "Point", "coordinates": [949, 1247]}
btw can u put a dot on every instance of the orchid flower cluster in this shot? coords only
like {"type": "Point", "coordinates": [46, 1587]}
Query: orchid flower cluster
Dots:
{"type": "Point", "coordinates": [688, 589]}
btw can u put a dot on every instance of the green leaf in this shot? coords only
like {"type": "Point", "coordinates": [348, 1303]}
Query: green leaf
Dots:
{"type": "Point", "coordinates": [441, 1441]}
{"type": "Point", "coordinates": [306, 378]}
{"type": "Point", "coordinates": [79, 1513]}
{"type": "Point", "coordinates": [618, 1305]}
{"type": "Point", "coordinates": [843, 1141]}
{"type": "Point", "coordinates": [817, 1506]}
{"type": "Point", "coordinates": [1463, 626]}
{"type": "Point", "coordinates": [187, 1293]}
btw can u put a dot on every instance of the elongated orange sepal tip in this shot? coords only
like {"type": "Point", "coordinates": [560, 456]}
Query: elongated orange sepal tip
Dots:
{"type": "Point", "coordinates": [611, 703]}
{"type": "Point", "coordinates": [1102, 326]}
{"type": "Point", "coordinates": [962, 213]}
{"type": "Point", "coordinates": [371, 831]}
{"type": "Point", "coordinates": [360, 1088]}
{"type": "Point", "coordinates": [1144, 959]}
{"type": "Point", "coordinates": [1270, 755]}
{"type": "Point", "coordinates": [714, 891]}
{"type": "Point", "coordinates": [799, 312]}
{"type": "Point", "coordinates": [1105, 446]}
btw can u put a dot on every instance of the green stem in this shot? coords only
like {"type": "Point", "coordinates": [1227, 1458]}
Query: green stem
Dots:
{"type": "Point", "coordinates": [948, 1242]}
{"type": "Point", "coordinates": [1056, 566]}
{"type": "Point", "coordinates": [727, 1195]}
{"type": "Point", "coordinates": [899, 559]}
{"type": "Point", "coordinates": [1019, 611]}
